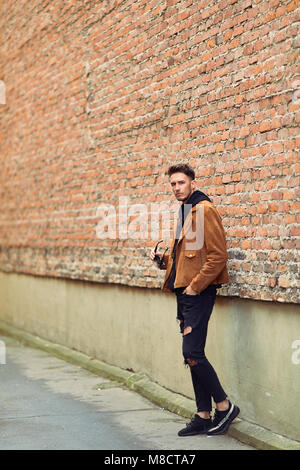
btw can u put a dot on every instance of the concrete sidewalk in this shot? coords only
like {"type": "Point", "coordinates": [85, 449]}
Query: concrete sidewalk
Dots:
{"type": "Point", "coordinates": [47, 403]}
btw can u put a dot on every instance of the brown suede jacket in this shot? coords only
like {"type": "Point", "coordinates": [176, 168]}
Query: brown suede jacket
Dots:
{"type": "Point", "coordinates": [201, 253]}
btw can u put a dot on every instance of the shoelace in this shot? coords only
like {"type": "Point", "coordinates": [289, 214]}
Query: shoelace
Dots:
{"type": "Point", "coordinates": [191, 422]}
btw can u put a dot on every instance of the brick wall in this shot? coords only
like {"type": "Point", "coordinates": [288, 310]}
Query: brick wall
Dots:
{"type": "Point", "coordinates": [102, 96]}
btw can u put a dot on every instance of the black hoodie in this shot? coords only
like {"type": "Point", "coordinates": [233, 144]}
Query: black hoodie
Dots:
{"type": "Point", "coordinates": [185, 208]}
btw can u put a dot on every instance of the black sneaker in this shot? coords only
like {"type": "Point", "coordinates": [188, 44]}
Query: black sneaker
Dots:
{"type": "Point", "coordinates": [222, 420]}
{"type": "Point", "coordinates": [196, 426]}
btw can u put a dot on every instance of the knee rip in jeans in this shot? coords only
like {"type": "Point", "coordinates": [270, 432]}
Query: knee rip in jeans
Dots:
{"type": "Point", "coordinates": [187, 330]}
{"type": "Point", "coordinates": [191, 362]}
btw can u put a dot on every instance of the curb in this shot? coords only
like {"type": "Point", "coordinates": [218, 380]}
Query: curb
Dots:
{"type": "Point", "coordinates": [244, 431]}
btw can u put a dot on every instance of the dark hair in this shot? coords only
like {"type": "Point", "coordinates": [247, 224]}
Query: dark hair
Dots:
{"type": "Point", "coordinates": [181, 168]}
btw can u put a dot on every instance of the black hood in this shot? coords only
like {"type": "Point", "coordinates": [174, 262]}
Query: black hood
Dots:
{"type": "Point", "coordinates": [196, 197]}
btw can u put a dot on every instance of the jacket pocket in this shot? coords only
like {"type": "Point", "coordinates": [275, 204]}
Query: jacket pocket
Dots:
{"type": "Point", "coordinates": [193, 261]}
{"type": "Point", "coordinates": [190, 254]}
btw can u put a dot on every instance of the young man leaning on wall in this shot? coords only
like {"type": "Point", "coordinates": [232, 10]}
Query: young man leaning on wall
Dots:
{"type": "Point", "coordinates": [195, 269]}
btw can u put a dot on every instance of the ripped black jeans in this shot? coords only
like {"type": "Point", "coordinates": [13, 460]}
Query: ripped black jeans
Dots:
{"type": "Point", "coordinates": [194, 311]}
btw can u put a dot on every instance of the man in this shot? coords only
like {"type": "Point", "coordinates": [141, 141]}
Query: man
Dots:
{"type": "Point", "coordinates": [195, 269]}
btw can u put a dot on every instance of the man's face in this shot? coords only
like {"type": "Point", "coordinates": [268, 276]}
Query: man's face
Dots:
{"type": "Point", "coordinates": [182, 186]}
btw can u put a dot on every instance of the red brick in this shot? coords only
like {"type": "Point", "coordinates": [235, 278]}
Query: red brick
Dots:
{"type": "Point", "coordinates": [100, 108]}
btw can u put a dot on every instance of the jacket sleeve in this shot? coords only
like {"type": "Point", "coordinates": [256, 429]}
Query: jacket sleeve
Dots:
{"type": "Point", "coordinates": [216, 251]}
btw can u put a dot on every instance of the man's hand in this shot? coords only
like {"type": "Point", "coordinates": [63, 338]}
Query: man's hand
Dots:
{"type": "Point", "coordinates": [190, 291]}
{"type": "Point", "coordinates": [152, 254]}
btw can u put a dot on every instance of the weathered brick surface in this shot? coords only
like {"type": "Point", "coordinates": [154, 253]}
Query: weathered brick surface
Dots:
{"type": "Point", "coordinates": [102, 96]}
